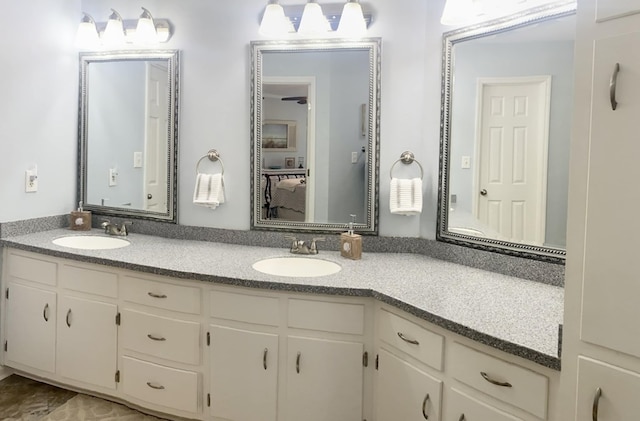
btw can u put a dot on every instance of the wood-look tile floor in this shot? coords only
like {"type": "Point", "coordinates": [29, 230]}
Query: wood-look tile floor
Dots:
{"type": "Point", "coordinates": [23, 399]}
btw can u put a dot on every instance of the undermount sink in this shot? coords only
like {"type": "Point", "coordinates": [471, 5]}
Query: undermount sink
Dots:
{"type": "Point", "coordinates": [91, 242]}
{"type": "Point", "coordinates": [296, 267]}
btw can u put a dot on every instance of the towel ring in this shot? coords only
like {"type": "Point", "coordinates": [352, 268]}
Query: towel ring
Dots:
{"type": "Point", "coordinates": [213, 156]}
{"type": "Point", "coordinates": [407, 158]}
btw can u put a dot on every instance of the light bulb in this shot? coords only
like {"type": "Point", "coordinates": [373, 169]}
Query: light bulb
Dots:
{"type": "Point", "coordinates": [313, 21]}
{"type": "Point", "coordinates": [87, 35]}
{"type": "Point", "coordinates": [114, 32]}
{"type": "Point", "coordinates": [352, 23]}
{"type": "Point", "coordinates": [274, 22]}
{"type": "Point", "coordinates": [146, 33]}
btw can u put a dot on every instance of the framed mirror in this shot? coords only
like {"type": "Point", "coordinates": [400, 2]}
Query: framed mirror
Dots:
{"type": "Point", "coordinates": [128, 133]}
{"type": "Point", "coordinates": [507, 95]}
{"type": "Point", "coordinates": [315, 115]}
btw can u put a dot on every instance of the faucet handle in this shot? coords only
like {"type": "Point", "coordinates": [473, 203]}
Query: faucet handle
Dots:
{"type": "Point", "coordinates": [314, 247]}
{"type": "Point", "coordinates": [294, 242]}
{"type": "Point", "coordinates": [105, 223]}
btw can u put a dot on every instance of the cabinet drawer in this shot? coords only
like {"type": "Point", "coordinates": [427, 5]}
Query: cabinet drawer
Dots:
{"type": "Point", "coordinates": [245, 308]}
{"type": "Point", "coordinates": [326, 316]}
{"type": "Point", "coordinates": [473, 410]}
{"type": "Point", "coordinates": [162, 295]}
{"type": "Point", "coordinates": [162, 337]}
{"type": "Point", "coordinates": [412, 339]}
{"type": "Point", "coordinates": [91, 281]}
{"type": "Point", "coordinates": [31, 269]}
{"type": "Point", "coordinates": [160, 385]}
{"type": "Point", "coordinates": [528, 389]}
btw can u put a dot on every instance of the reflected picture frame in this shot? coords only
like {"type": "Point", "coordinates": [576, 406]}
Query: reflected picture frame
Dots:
{"type": "Point", "coordinates": [279, 136]}
{"type": "Point", "coordinates": [290, 162]}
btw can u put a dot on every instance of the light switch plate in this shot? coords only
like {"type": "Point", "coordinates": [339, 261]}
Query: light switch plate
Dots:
{"type": "Point", "coordinates": [466, 162]}
{"type": "Point", "coordinates": [137, 160]}
{"type": "Point", "coordinates": [113, 177]}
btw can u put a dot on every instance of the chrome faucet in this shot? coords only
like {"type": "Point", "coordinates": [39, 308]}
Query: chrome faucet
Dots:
{"type": "Point", "coordinates": [303, 247]}
{"type": "Point", "coordinates": [115, 229]}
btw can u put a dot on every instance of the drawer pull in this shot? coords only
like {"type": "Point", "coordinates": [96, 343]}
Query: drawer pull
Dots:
{"type": "Point", "coordinates": [461, 417]}
{"type": "Point", "coordinates": [155, 338]}
{"type": "Point", "coordinates": [45, 312]}
{"type": "Point", "coordinates": [151, 294]}
{"type": "Point", "coordinates": [596, 404]}
{"type": "Point", "coordinates": [264, 358]}
{"type": "Point", "coordinates": [155, 386]}
{"type": "Point", "coordinates": [407, 340]}
{"type": "Point", "coordinates": [613, 85]}
{"type": "Point", "coordinates": [67, 318]}
{"type": "Point", "coordinates": [298, 362]}
{"type": "Point", "coordinates": [497, 383]}
{"type": "Point", "coordinates": [424, 407]}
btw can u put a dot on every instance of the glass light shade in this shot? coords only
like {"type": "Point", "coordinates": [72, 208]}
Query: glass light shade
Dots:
{"type": "Point", "coordinates": [274, 22]}
{"type": "Point", "coordinates": [313, 21]}
{"type": "Point", "coordinates": [146, 33]}
{"type": "Point", "coordinates": [87, 35]}
{"type": "Point", "coordinates": [352, 23]}
{"type": "Point", "coordinates": [459, 12]}
{"type": "Point", "coordinates": [114, 32]}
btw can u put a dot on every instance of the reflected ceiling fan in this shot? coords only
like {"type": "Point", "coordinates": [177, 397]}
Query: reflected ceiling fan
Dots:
{"type": "Point", "coordinates": [298, 99]}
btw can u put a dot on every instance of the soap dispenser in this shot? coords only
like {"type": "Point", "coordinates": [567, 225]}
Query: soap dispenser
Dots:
{"type": "Point", "coordinates": [80, 220]}
{"type": "Point", "coordinates": [350, 243]}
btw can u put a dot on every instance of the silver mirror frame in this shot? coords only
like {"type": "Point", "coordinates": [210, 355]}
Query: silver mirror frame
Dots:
{"type": "Point", "coordinates": [449, 39]}
{"type": "Point", "coordinates": [173, 60]}
{"type": "Point", "coordinates": [373, 45]}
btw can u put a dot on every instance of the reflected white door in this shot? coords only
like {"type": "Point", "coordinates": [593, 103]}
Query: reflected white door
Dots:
{"type": "Point", "coordinates": [156, 144]}
{"type": "Point", "coordinates": [512, 136]}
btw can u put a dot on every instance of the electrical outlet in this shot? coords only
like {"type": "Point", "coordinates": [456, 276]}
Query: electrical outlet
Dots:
{"type": "Point", "coordinates": [354, 157]}
{"type": "Point", "coordinates": [113, 177]}
{"type": "Point", "coordinates": [31, 181]}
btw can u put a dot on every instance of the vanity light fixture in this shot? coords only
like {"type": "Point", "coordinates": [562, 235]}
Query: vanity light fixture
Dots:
{"type": "Point", "coordinates": [459, 12]}
{"type": "Point", "coordinates": [114, 34]}
{"type": "Point", "coordinates": [313, 20]}
{"type": "Point", "coordinates": [274, 22]}
{"type": "Point", "coordinates": [87, 34]}
{"type": "Point", "coordinates": [352, 23]}
{"type": "Point", "coordinates": [146, 33]}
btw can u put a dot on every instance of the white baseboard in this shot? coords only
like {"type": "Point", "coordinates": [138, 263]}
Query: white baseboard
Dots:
{"type": "Point", "coordinates": [5, 372]}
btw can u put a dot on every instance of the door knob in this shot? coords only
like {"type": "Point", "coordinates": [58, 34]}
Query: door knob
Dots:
{"type": "Point", "coordinates": [483, 192]}
{"type": "Point", "coordinates": [149, 196]}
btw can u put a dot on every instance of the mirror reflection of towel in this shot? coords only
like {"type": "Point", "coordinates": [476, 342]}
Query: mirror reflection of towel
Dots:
{"type": "Point", "coordinates": [209, 190]}
{"type": "Point", "coordinates": [405, 196]}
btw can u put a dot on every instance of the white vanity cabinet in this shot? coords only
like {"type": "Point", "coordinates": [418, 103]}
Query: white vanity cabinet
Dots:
{"type": "Point", "coordinates": [601, 348]}
{"type": "Point", "coordinates": [30, 302]}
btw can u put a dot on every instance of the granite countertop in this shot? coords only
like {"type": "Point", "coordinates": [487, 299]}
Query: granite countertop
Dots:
{"type": "Point", "coordinates": [511, 314]}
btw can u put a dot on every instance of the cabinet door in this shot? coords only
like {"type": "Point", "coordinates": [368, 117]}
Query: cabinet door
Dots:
{"type": "Point", "coordinates": [244, 374]}
{"type": "Point", "coordinates": [619, 392]}
{"type": "Point", "coordinates": [612, 9]}
{"type": "Point", "coordinates": [31, 327]}
{"type": "Point", "coordinates": [404, 392]}
{"type": "Point", "coordinates": [87, 341]}
{"type": "Point", "coordinates": [324, 380]}
{"type": "Point", "coordinates": [609, 303]}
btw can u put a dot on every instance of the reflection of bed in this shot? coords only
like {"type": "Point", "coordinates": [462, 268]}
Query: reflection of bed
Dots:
{"type": "Point", "coordinates": [284, 195]}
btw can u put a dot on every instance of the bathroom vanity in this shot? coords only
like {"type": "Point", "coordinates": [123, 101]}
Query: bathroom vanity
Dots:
{"type": "Point", "coordinates": [188, 329]}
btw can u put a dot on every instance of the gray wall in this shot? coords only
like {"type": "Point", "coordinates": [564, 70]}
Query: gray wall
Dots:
{"type": "Point", "coordinates": [473, 60]}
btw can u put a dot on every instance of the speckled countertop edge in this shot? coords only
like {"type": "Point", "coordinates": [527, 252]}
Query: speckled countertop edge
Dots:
{"type": "Point", "coordinates": [516, 316]}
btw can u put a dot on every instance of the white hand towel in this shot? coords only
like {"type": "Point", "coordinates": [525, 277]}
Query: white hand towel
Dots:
{"type": "Point", "coordinates": [405, 197]}
{"type": "Point", "coordinates": [209, 190]}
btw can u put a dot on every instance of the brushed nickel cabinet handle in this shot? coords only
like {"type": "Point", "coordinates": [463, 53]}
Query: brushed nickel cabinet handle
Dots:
{"type": "Point", "coordinates": [613, 85]}
{"type": "Point", "coordinates": [264, 358]}
{"type": "Point", "coordinates": [424, 407]}
{"type": "Point", "coordinates": [155, 338]}
{"type": "Point", "coordinates": [596, 404]}
{"type": "Point", "coordinates": [298, 362]}
{"type": "Point", "coordinates": [45, 312]}
{"type": "Point", "coordinates": [497, 383]}
{"type": "Point", "coordinates": [67, 318]}
{"type": "Point", "coordinates": [461, 417]}
{"type": "Point", "coordinates": [155, 386]}
{"type": "Point", "coordinates": [404, 338]}
{"type": "Point", "coordinates": [151, 294]}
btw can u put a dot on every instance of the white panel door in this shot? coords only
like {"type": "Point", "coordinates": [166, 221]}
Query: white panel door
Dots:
{"type": "Point", "coordinates": [156, 144]}
{"type": "Point", "coordinates": [324, 380]}
{"type": "Point", "coordinates": [512, 147]}
{"type": "Point", "coordinates": [618, 394]}
{"type": "Point", "coordinates": [86, 346]}
{"type": "Point", "coordinates": [31, 327]}
{"type": "Point", "coordinates": [611, 287]}
{"type": "Point", "coordinates": [404, 392]}
{"type": "Point", "coordinates": [244, 374]}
